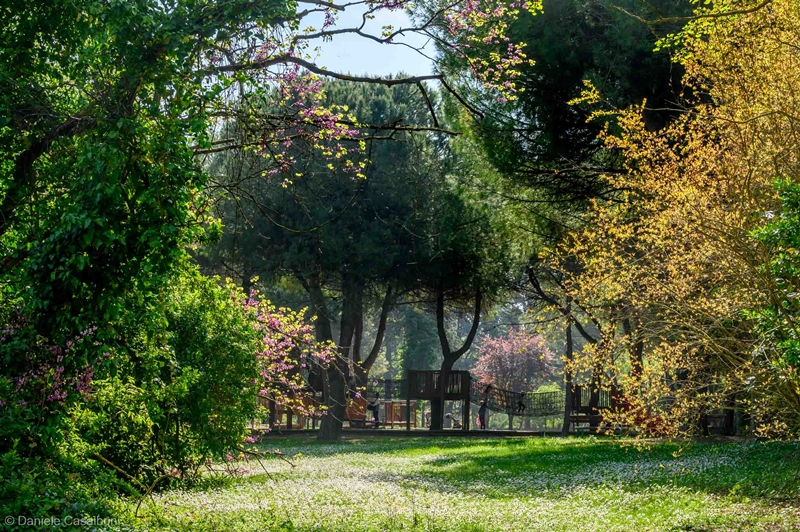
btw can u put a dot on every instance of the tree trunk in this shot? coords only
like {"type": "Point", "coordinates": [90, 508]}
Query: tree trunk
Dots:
{"type": "Point", "coordinates": [332, 397]}
{"type": "Point", "coordinates": [450, 357]}
{"type": "Point", "coordinates": [335, 400]}
{"type": "Point", "coordinates": [362, 369]}
{"type": "Point", "coordinates": [568, 399]}
{"type": "Point", "coordinates": [594, 398]}
{"type": "Point", "coordinates": [437, 404]}
{"type": "Point", "coordinates": [336, 381]}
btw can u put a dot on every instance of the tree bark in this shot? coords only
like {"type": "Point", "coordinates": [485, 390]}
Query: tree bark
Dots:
{"type": "Point", "coordinates": [362, 370]}
{"type": "Point", "coordinates": [450, 357]}
{"type": "Point", "coordinates": [568, 392]}
{"type": "Point", "coordinates": [336, 397]}
{"type": "Point", "coordinates": [594, 397]}
{"type": "Point", "coordinates": [334, 378]}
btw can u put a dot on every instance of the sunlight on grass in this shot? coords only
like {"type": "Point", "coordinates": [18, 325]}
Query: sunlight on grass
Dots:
{"type": "Point", "coordinates": [513, 484]}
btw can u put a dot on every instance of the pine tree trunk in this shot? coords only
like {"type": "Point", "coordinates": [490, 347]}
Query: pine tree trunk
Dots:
{"type": "Point", "coordinates": [336, 382]}
{"type": "Point", "coordinates": [568, 392]}
{"type": "Point", "coordinates": [331, 427]}
{"type": "Point", "coordinates": [437, 405]}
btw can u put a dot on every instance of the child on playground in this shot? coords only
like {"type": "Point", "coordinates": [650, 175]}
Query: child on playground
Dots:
{"type": "Point", "coordinates": [374, 405]}
{"type": "Point", "coordinates": [482, 416]}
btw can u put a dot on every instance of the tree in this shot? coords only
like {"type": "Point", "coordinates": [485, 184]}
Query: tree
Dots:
{"type": "Point", "coordinates": [518, 362]}
{"type": "Point", "coordinates": [548, 161]}
{"type": "Point", "coordinates": [106, 107]}
{"type": "Point", "coordinates": [188, 394]}
{"type": "Point", "coordinates": [106, 111]}
{"type": "Point", "coordinates": [466, 271]}
{"type": "Point", "coordinates": [541, 139]}
{"type": "Point", "coordinates": [681, 255]}
{"type": "Point", "coordinates": [350, 243]}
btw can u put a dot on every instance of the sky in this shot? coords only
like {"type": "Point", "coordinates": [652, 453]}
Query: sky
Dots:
{"type": "Point", "coordinates": [356, 55]}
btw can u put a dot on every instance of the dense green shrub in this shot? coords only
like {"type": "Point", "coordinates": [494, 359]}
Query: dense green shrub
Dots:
{"type": "Point", "coordinates": [178, 391]}
{"type": "Point", "coordinates": [186, 399]}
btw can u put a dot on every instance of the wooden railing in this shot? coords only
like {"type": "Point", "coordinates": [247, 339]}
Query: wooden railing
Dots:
{"type": "Point", "coordinates": [426, 384]}
{"type": "Point", "coordinates": [423, 384]}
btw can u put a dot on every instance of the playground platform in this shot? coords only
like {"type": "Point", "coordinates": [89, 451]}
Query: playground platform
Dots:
{"type": "Point", "coordinates": [348, 433]}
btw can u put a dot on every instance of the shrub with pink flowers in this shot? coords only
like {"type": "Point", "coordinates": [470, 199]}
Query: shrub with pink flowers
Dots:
{"type": "Point", "coordinates": [168, 398]}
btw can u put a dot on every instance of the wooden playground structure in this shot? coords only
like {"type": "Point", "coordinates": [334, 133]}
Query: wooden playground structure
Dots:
{"type": "Point", "coordinates": [400, 402]}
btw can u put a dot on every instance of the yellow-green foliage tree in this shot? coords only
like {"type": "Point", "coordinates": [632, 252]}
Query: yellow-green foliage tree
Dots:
{"type": "Point", "coordinates": [671, 266]}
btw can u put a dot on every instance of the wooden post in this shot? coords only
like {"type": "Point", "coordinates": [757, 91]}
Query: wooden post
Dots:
{"type": "Point", "coordinates": [408, 398]}
{"type": "Point", "coordinates": [465, 384]}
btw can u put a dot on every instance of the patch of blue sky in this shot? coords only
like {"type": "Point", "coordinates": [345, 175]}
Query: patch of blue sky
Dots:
{"type": "Point", "coordinates": [357, 55]}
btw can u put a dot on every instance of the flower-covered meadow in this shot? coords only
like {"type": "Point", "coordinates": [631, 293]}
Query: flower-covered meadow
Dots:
{"type": "Point", "coordinates": [512, 484]}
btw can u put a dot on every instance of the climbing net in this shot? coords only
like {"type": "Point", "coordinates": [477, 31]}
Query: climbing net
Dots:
{"type": "Point", "coordinates": [516, 403]}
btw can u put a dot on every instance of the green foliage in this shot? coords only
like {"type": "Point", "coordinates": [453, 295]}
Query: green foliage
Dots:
{"type": "Point", "coordinates": [781, 237]}
{"type": "Point", "coordinates": [177, 399]}
{"type": "Point", "coordinates": [420, 347]}
{"type": "Point", "coordinates": [328, 222]}
{"type": "Point", "coordinates": [102, 106]}
{"type": "Point", "coordinates": [546, 148]}
{"type": "Point", "coordinates": [67, 487]}
{"type": "Point", "coordinates": [110, 344]}
{"type": "Point", "coordinates": [184, 400]}
{"type": "Point", "coordinates": [410, 224]}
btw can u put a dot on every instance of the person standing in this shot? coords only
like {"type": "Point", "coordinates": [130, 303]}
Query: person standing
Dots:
{"type": "Point", "coordinates": [482, 416]}
{"type": "Point", "coordinates": [374, 405]}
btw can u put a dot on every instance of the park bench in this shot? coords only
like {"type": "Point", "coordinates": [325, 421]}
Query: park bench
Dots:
{"type": "Point", "coordinates": [355, 413]}
{"type": "Point", "coordinates": [583, 422]}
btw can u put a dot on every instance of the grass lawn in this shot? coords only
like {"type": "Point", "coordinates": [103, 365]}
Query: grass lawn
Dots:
{"type": "Point", "coordinates": [497, 484]}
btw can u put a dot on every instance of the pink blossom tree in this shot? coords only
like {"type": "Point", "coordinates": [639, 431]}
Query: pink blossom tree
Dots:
{"type": "Point", "coordinates": [518, 362]}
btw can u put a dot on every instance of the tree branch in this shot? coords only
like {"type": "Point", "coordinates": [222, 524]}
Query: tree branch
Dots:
{"type": "Point", "coordinates": [675, 20]}
{"type": "Point", "coordinates": [23, 166]}
{"type": "Point", "coordinates": [311, 67]}
{"type": "Point", "coordinates": [388, 303]}
{"type": "Point", "coordinates": [565, 311]}
{"type": "Point", "coordinates": [476, 319]}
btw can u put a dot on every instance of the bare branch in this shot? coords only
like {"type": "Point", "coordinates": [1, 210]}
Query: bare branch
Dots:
{"type": "Point", "coordinates": [311, 67]}
{"type": "Point", "coordinates": [675, 20]}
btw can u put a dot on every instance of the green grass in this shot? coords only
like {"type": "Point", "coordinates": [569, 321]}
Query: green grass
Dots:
{"type": "Point", "coordinates": [512, 484]}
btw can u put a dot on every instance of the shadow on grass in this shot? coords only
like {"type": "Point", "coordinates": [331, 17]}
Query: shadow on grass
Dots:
{"type": "Point", "coordinates": [548, 466]}
{"type": "Point", "coordinates": [540, 468]}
